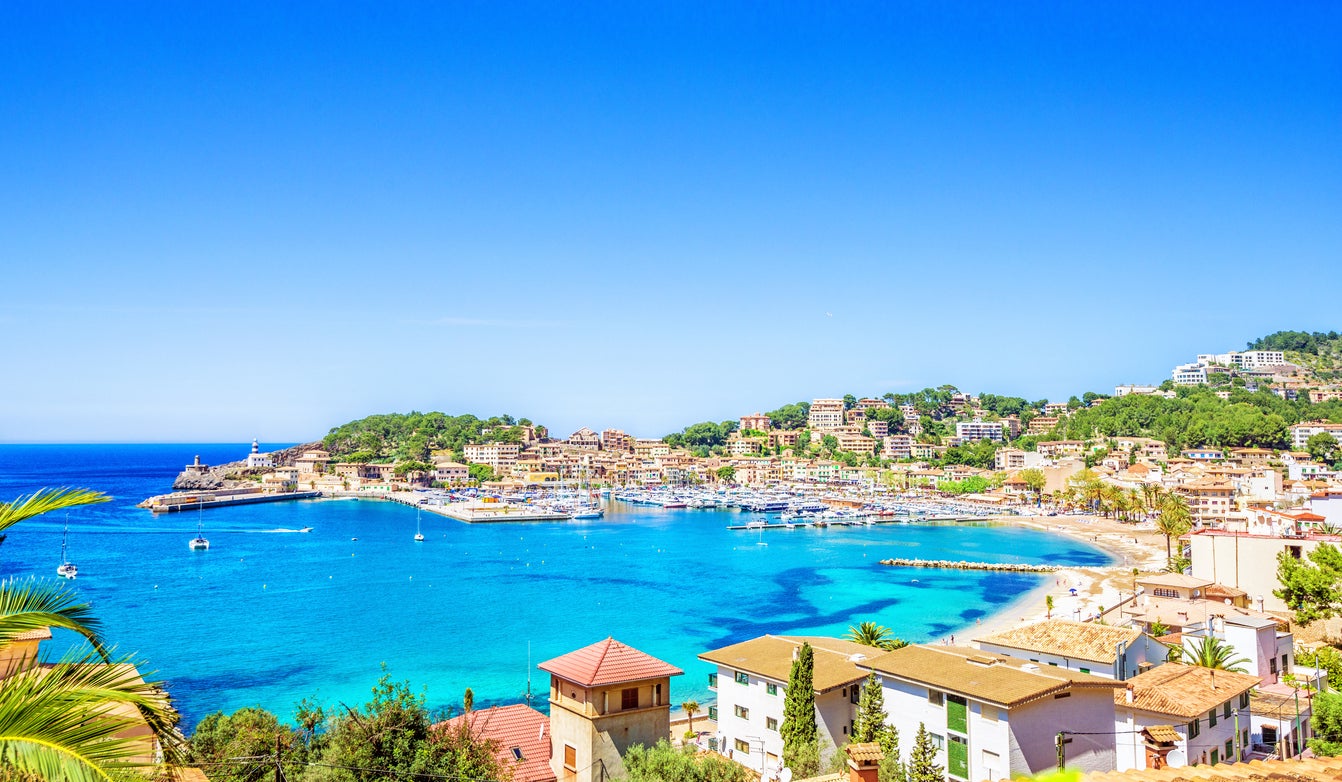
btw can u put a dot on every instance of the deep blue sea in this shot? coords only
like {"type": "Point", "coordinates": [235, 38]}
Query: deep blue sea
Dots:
{"type": "Point", "coordinates": [269, 617]}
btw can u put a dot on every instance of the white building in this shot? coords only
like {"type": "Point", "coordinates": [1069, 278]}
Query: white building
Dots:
{"type": "Point", "coordinates": [970, 431]}
{"type": "Point", "coordinates": [1300, 433]}
{"type": "Point", "coordinates": [1190, 374]}
{"type": "Point", "coordinates": [993, 716]}
{"type": "Point", "coordinates": [258, 459]}
{"type": "Point", "coordinates": [1085, 647]}
{"type": "Point", "coordinates": [825, 414]}
{"type": "Point", "coordinates": [1132, 389]}
{"type": "Point", "coordinates": [751, 680]}
{"type": "Point", "coordinates": [1185, 714]}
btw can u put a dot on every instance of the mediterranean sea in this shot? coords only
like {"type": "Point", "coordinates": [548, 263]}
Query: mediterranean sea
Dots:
{"type": "Point", "coordinates": [270, 617]}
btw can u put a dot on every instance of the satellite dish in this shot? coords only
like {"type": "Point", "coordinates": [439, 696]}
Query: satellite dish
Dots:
{"type": "Point", "coordinates": [785, 775]}
{"type": "Point", "coordinates": [1228, 601]}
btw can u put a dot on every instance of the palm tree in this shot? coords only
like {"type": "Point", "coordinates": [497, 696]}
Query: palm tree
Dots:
{"type": "Point", "coordinates": [1048, 605]}
{"type": "Point", "coordinates": [61, 721]}
{"type": "Point", "coordinates": [1211, 652]}
{"type": "Point", "coordinates": [690, 707]}
{"type": "Point", "coordinates": [872, 634]}
{"type": "Point", "coordinates": [1175, 520]}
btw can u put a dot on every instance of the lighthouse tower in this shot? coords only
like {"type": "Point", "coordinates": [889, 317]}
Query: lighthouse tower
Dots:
{"type": "Point", "coordinates": [258, 459]}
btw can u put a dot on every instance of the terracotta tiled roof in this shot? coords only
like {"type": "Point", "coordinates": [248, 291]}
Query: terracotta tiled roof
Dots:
{"type": "Point", "coordinates": [1183, 690]}
{"type": "Point", "coordinates": [517, 730]}
{"type": "Point", "coordinates": [1309, 770]}
{"type": "Point", "coordinates": [608, 662]}
{"type": "Point", "coordinates": [982, 675]}
{"type": "Point", "coordinates": [867, 752]}
{"type": "Point", "coordinates": [1164, 733]}
{"type": "Point", "coordinates": [770, 656]}
{"type": "Point", "coordinates": [40, 634]}
{"type": "Point", "coordinates": [1089, 641]}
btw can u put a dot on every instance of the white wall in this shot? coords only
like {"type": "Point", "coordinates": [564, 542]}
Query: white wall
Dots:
{"type": "Point", "coordinates": [1088, 714]}
{"type": "Point", "coordinates": [833, 715]}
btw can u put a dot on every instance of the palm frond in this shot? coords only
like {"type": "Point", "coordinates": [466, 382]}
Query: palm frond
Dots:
{"type": "Point", "coordinates": [33, 604]}
{"type": "Point", "coordinates": [82, 719]}
{"type": "Point", "coordinates": [45, 501]}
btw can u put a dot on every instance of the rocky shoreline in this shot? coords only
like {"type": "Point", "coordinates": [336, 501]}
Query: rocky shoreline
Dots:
{"type": "Point", "coordinates": [237, 474]}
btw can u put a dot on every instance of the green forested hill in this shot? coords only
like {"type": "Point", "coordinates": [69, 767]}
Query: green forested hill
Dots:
{"type": "Point", "coordinates": [413, 436]}
{"type": "Point", "coordinates": [1198, 417]}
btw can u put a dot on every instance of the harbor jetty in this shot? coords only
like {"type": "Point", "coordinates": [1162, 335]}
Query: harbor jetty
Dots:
{"type": "Point", "coordinates": [1013, 567]}
{"type": "Point", "coordinates": [223, 498]}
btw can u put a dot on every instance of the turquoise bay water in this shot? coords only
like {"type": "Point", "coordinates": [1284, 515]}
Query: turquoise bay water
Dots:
{"type": "Point", "coordinates": [269, 617]}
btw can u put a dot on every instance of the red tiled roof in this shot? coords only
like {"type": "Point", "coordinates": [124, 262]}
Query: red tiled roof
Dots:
{"type": "Point", "coordinates": [608, 662]}
{"type": "Point", "coordinates": [517, 727]}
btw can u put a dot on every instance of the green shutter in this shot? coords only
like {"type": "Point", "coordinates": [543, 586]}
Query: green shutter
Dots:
{"type": "Point", "coordinates": [957, 717]}
{"type": "Point", "coordinates": [957, 757]}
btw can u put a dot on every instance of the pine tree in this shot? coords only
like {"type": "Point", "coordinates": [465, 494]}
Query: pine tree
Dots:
{"type": "Point", "coordinates": [870, 711]}
{"type": "Point", "coordinates": [799, 729]}
{"type": "Point", "coordinates": [891, 768]}
{"type": "Point", "coordinates": [923, 764]}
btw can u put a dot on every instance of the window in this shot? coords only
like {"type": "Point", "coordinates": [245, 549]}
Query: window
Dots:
{"type": "Point", "coordinates": [854, 695]}
{"type": "Point", "coordinates": [570, 759]}
{"type": "Point", "coordinates": [712, 681]}
{"type": "Point", "coordinates": [1211, 718]}
{"type": "Point", "coordinates": [772, 689]}
{"type": "Point", "coordinates": [1062, 695]}
{"type": "Point", "coordinates": [1194, 728]}
{"type": "Point", "coordinates": [629, 698]}
{"type": "Point", "coordinates": [1230, 749]}
{"type": "Point", "coordinates": [713, 713]}
{"type": "Point", "coordinates": [1244, 701]}
{"type": "Point", "coordinates": [1269, 734]}
{"type": "Point", "coordinates": [938, 740]}
{"type": "Point", "coordinates": [1272, 665]}
{"type": "Point", "coordinates": [742, 746]}
{"type": "Point", "coordinates": [742, 712]}
{"type": "Point", "coordinates": [1225, 710]}
{"type": "Point", "coordinates": [517, 753]}
{"type": "Point", "coordinates": [771, 723]}
{"type": "Point", "coordinates": [1216, 757]}
{"type": "Point", "coordinates": [742, 677]}
{"type": "Point", "coordinates": [988, 713]}
{"type": "Point", "coordinates": [935, 698]}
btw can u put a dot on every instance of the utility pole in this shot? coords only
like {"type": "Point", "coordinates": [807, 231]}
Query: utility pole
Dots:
{"type": "Point", "coordinates": [279, 777]}
{"type": "Point", "coordinates": [1062, 749]}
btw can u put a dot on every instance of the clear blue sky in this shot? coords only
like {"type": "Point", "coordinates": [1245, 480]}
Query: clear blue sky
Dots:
{"type": "Point", "coordinates": [228, 220]}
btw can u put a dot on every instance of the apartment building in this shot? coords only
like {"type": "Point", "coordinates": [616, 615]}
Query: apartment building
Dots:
{"type": "Point", "coordinates": [972, 431]}
{"type": "Point", "coordinates": [992, 716]}
{"type": "Point", "coordinates": [1189, 374]}
{"type": "Point", "coordinates": [825, 414]}
{"type": "Point", "coordinates": [585, 438]}
{"type": "Point", "coordinates": [897, 446]}
{"type": "Point", "coordinates": [1085, 647]}
{"type": "Point", "coordinates": [757, 422]}
{"type": "Point", "coordinates": [878, 429]}
{"type": "Point", "coordinates": [499, 456]}
{"type": "Point", "coordinates": [751, 680]}
{"type": "Point", "coordinates": [1209, 499]}
{"type": "Point", "coordinates": [616, 440]}
{"type": "Point", "coordinates": [1300, 433]}
{"type": "Point", "coordinates": [1016, 459]}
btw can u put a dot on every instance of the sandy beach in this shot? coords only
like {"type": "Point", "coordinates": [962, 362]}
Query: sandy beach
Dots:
{"type": "Point", "coordinates": [1097, 588]}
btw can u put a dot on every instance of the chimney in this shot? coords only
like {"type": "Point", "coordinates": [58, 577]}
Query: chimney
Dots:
{"type": "Point", "coordinates": [1127, 695]}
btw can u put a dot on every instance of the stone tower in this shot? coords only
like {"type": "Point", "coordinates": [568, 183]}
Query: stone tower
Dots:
{"type": "Point", "coordinates": [605, 698]}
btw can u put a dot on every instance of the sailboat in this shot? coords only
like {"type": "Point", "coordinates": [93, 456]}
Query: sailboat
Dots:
{"type": "Point", "coordinates": [199, 543]}
{"type": "Point", "coordinates": [419, 536]}
{"type": "Point", "coordinates": [67, 568]}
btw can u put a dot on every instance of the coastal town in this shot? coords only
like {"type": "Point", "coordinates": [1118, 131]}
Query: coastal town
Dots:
{"type": "Point", "coordinates": [1186, 655]}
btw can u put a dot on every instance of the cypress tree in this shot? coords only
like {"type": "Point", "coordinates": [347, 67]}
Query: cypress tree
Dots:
{"type": "Point", "coordinates": [870, 711]}
{"type": "Point", "coordinates": [799, 732]}
{"type": "Point", "coordinates": [891, 768]}
{"type": "Point", "coordinates": [923, 764]}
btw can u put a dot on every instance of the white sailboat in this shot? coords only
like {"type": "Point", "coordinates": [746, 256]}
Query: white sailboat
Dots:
{"type": "Point", "coordinates": [199, 543]}
{"type": "Point", "coordinates": [67, 568]}
{"type": "Point", "coordinates": [419, 536]}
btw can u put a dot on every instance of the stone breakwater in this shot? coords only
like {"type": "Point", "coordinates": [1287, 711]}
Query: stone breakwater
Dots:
{"type": "Point", "coordinates": [962, 565]}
